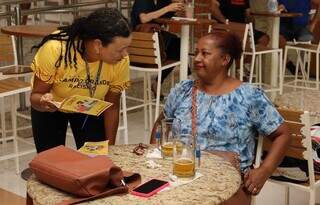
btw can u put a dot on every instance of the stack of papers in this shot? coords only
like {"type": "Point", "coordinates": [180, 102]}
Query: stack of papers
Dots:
{"type": "Point", "coordinates": [95, 148]}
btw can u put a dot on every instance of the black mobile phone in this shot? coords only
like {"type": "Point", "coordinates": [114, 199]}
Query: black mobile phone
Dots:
{"type": "Point", "coordinates": [150, 188]}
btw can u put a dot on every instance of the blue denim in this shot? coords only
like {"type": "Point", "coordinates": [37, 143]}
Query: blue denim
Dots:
{"type": "Point", "coordinates": [299, 33]}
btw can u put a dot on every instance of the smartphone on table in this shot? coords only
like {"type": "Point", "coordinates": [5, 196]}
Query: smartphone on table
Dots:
{"type": "Point", "coordinates": [150, 188]}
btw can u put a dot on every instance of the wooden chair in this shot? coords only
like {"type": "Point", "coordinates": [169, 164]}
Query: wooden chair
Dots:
{"type": "Point", "coordinates": [300, 148]}
{"type": "Point", "coordinates": [144, 53]}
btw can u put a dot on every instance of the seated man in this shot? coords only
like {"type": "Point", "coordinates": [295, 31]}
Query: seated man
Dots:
{"type": "Point", "coordinates": [236, 11]}
{"type": "Point", "coordinates": [296, 28]}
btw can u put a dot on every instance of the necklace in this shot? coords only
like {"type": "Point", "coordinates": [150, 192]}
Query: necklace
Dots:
{"type": "Point", "coordinates": [92, 85]}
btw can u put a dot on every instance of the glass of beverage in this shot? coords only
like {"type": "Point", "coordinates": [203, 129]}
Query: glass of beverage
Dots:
{"type": "Point", "coordinates": [184, 156]}
{"type": "Point", "coordinates": [180, 13]}
{"type": "Point", "coordinates": [189, 10]}
{"type": "Point", "coordinates": [170, 129]}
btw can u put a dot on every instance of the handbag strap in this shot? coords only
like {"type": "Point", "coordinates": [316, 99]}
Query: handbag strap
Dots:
{"type": "Point", "coordinates": [194, 110]}
{"type": "Point", "coordinates": [132, 180]}
{"type": "Point", "coordinates": [117, 190]}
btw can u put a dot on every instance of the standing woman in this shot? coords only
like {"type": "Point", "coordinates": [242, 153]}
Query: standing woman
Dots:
{"type": "Point", "coordinates": [87, 58]}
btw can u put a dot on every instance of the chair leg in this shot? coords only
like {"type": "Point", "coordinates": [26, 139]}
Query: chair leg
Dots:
{"type": "Point", "coordinates": [14, 132]}
{"type": "Point", "coordinates": [150, 101]}
{"type": "Point", "coordinates": [284, 63]}
{"type": "Point", "coordinates": [259, 73]}
{"type": "Point", "coordinates": [252, 67]}
{"type": "Point", "coordinates": [253, 200]}
{"type": "Point", "coordinates": [241, 68]}
{"type": "Point", "coordinates": [280, 73]}
{"type": "Point", "coordinates": [3, 120]}
{"type": "Point", "coordinates": [158, 96]}
{"type": "Point", "coordinates": [312, 200]}
{"type": "Point", "coordinates": [317, 70]}
{"type": "Point", "coordinates": [308, 68]}
{"type": "Point", "coordinates": [287, 196]}
{"type": "Point", "coordinates": [172, 78]}
{"type": "Point", "coordinates": [145, 101]}
{"type": "Point", "coordinates": [124, 116]}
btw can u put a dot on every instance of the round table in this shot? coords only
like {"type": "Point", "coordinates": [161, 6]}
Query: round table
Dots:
{"type": "Point", "coordinates": [29, 30]}
{"type": "Point", "coordinates": [219, 182]}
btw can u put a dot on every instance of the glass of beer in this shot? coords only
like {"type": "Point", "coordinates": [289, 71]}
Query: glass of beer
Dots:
{"type": "Point", "coordinates": [170, 129]}
{"type": "Point", "coordinates": [184, 156]}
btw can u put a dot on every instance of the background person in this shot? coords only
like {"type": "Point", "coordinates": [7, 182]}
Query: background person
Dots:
{"type": "Point", "coordinates": [87, 58]}
{"type": "Point", "coordinates": [297, 28]}
{"type": "Point", "coordinates": [229, 113]}
{"type": "Point", "coordinates": [236, 11]}
{"type": "Point", "coordinates": [145, 11]}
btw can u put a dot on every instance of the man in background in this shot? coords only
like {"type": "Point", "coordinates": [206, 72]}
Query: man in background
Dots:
{"type": "Point", "coordinates": [236, 11]}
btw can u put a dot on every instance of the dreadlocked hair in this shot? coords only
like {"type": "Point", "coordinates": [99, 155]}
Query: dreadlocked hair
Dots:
{"type": "Point", "coordinates": [104, 24]}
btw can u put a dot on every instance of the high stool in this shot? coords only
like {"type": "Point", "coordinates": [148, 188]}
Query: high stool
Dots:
{"type": "Point", "coordinates": [10, 87]}
{"type": "Point", "coordinates": [145, 57]}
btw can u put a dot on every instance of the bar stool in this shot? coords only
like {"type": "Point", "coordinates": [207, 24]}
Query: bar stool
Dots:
{"type": "Point", "coordinates": [10, 87]}
{"type": "Point", "coordinates": [145, 57]}
{"type": "Point", "coordinates": [307, 50]}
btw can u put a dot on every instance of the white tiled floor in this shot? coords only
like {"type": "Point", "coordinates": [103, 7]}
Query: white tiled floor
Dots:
{"type": "Point", "coordinates": [270, 195]}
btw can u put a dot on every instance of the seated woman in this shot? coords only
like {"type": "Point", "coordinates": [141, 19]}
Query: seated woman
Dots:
{"type": "Point", "coordinates": [226, 114]}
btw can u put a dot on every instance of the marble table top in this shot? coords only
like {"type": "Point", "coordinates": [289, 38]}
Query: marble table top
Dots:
{"type": "Point", "coordinates": [304, 100]}
{"type": "Point", "coordinates": [219, 182]}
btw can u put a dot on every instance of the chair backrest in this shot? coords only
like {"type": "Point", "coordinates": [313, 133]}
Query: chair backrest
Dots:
{"type": "Point", "coordinates": [300, 147]}
{"type": "Point", "coordinates": [145, 49]}
{"type": "Point", "coordinates": [7, 51]}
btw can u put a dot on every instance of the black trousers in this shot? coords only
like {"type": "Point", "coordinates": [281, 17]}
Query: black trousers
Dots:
{"type": "Point", "coordinates": [172, 47]}
{"type": "Point", "coordinates": [49, 128]}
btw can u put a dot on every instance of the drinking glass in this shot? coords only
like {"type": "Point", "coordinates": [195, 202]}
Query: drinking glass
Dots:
{"type": "Point", "coordinates": [184, 156]}
{"type": "Point", "coordinates": [170, 129]}
{"type": "Point", "coordinates": [189, 10]}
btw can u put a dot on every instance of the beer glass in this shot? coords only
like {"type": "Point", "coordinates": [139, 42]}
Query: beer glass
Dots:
{"type": "Point", "coordinates": [184, 156]}
{"type": "Point", "coordinates": [170, 129]}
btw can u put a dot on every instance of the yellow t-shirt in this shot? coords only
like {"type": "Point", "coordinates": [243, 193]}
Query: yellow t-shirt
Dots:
{"type": "Point", "coordinates": [68, 81]}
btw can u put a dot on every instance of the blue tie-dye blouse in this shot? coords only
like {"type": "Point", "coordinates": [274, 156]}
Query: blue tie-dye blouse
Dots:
{"type": "Point", "coordinates": [226, 122]}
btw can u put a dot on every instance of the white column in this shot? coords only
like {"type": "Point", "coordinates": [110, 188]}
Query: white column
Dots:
{"type": "Point", "coordinates": [184, 52]}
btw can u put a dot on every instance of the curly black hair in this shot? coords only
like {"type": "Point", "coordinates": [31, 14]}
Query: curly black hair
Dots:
{"type": "Point", "coordinates": [103, 24]}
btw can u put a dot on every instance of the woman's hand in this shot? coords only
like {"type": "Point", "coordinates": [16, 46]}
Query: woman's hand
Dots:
{"type": "Point", "coordinates": [175, 7]}
{"type": "Point", "coordinates": [282, 8]}
{"type": "Point", "coordinates": [46, 103]}
{"type": "Point", "coordinates": [254, 179]}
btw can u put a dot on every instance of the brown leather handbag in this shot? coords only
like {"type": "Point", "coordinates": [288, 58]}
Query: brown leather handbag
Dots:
{"type": "Point", "coordinates": [81, 175]}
